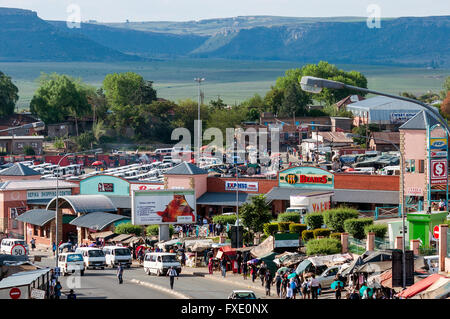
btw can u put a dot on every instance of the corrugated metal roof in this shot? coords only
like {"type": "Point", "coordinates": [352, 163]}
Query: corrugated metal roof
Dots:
{"type": "Point", "coordinates": [121, 201]}
{"type": "Point", "coordinates": [420, 122]}
{"type": "Point", "coordinates": [35, 184]}
{"type": "Point", "coordinates": [22, 278]}
{"type": "Point", "coordinates": [219, 199]}
{"type": "Point", "coordinates": [365, 196]}
{"type": "Point", "coordinates": [394, 137]}
{"type": "Point", "coordinates": [121, 237]}
{"type": "Point", "coordinates": [185, 168]}
{"type": "Point", "coordinates": [336, 137]}
{"type": "Point", "coordinates": [6, 259]}
{"type": "Point", "coordinates": [38, 217]}
{"type": "Point", "coordinates": [18, 169]}
{"type": "Point", "coordinates": [97, 220]}
{"type": "Point", "coordinates": [84, 203]}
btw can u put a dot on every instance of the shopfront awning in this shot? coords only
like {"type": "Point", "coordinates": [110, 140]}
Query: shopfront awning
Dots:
{"type": "Point", "coordinates": [97, 220]}
{"type": "Point", "coordinates": [285, 193]}
{"type": "Point", "coordinates": [121, 201]}
{"type": "Point", "coordinates": [84, 203]}
{"type": "Point", "coordinates": [222, 199]}
{"type": "Point", "coordinates": [366, 196]}
{"type": "Point", "coordinates": [38, 217]}
{"type": "Point", "coordinates": [103, 235]}
{"type": "Point", "coordinates": [121, 238]}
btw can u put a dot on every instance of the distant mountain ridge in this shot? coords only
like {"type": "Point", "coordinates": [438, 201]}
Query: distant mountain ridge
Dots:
{"type": "Point", "coordinates": [412, 41]}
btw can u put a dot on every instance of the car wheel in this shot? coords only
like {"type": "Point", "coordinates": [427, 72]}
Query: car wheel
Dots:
{"type": "Point", "coordinates": [102, 268]}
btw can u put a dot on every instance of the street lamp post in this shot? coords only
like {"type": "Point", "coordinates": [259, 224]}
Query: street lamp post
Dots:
{"type": "Point", "coordinates": [199, 81]}
{"type": "Point", "coordinates": [57, 198]}
{"type": "Point", "coordinates": [315, 85]}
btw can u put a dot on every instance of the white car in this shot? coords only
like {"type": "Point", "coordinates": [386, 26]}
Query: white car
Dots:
{"type": "Point", "coordinates": [242, 294]}
{"type": "Point", "coordinates": [70, 263]}
{"type": "Point", "coordinates": [160, 263]}
{"type": "Point", "coordinates": [116, 255]}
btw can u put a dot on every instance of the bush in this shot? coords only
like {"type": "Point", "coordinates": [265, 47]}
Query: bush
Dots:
{"type": "Point", "coordinates": [283, 227]}
{"type": "Point", "coordinates": [128, 228]}
{"type": "Point", "coordinates": [225, 219]}
{"type": "Point", "coordinates": [335, 218]}
{"type": "Point", "coordinates": [355, 226]}
{"type": "Point", "coordinates": [153, 230]}
{"type": "Point", "coordinates": [314, 220]}
{"type": "Point", "coordinates": [380, 230]}
{"type": "Point", "coordinates": [321, 232]}
{"type": "Point", "coordinates": [307, 235]}
{"type": "Point", "coordinates": [28, 150]}
{"type": "Point", "coordinates": [297, 228]}
{"type": "Point", "coordinates": [270, 229]}
{"type": "Point", "coordinates": [336, 236]}
{"type": "Point", "coordinates": [323, 246]}
{"type": "Point", "coordinates": [289, 217]}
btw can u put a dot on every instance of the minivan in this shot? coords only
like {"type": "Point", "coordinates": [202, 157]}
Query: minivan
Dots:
{"type": "Point", "coordinates": [116, 255]}
{"type": "Point", "coordinates": [8, 243]}
{"type": "Point", "coordinates": [92, 257]}
{"type": "Point", "coordinates": [160, 263]}
{"type": "Point", "coordinates": [71, 262]}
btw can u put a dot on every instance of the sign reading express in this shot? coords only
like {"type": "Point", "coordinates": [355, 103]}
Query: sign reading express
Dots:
{"type": "Point", "coordinates": [306, 177]}
{"type": "Point", "coordinates": [242, 186]}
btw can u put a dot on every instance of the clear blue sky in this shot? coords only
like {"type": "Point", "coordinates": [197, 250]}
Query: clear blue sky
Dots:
{"type": "Point", "coordinates": [184, 10]}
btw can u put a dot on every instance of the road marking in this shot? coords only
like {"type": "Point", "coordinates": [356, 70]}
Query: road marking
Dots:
{"type": "Point", "coordinates": [166, 290]}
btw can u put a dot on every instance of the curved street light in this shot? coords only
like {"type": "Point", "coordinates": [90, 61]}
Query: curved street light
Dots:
{"type": "Point", "coordinates": [316, 85]}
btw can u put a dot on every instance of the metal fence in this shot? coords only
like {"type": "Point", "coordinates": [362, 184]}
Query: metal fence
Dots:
{"type": "Point", "coordinates": [356, 246]}
{"type": "Point", "coordinates": [387, 212]}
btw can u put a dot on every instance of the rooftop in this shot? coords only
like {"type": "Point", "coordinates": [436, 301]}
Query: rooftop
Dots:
{"type": "Point", "coordinates": [18, 169]}
{"type": "Point", "coordinates": [186, 169]}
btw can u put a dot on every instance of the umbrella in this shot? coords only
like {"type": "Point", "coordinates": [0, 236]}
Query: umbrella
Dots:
{"type": "Point", "coordinates": [97, 163]}
{"type": "Point", "coordinates": [253, 261]}
{"type": "Point", "coordinates": [92, 245]}
{"type": "Point", "coordinates": [292, 275]}
{"type": "Point", "coordinates": [64, 245]}
{"type": "Point", "coordinates": [282, 269]}
{"type": "Point", "coordinates": [335, 284]}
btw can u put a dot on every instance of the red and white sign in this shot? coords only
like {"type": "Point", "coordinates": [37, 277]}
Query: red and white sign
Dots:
{"type": "Point", "coordinates": [438, 172]}
{"type": "Point", "coordinates": [145, 187]}
{"type": "Point", "coordinates": [18, 250]}
{"type": "Point", "coordinates": [414, 191]}
{"type": "Point", "coordinates": [436, 232]}
{"type": "Point", "coordinates": [438, 153]}
{"type": "Point", "coordinates": [15, 293]}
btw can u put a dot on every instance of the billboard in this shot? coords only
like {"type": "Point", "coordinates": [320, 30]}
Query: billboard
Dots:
{"type": "Point", "coordinates": [163, 207]}
{"type": "Point", "coordinates": [438, 172]}
{"type": "Point", "coordinates": [306, 177]}
{"type": "Point", "coordinates": [243, 186]}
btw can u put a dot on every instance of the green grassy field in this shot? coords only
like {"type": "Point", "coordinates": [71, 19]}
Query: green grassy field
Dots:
{"type": "Point", "coordinates": [233, 81]}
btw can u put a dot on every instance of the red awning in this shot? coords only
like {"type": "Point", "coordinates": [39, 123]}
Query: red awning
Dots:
{"type": "Point", "coordinates": [419, 286]}
{"type": "Point", "coordinates": [227, 250]}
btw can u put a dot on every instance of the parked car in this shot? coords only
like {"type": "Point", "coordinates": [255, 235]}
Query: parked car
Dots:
{"type": "Point", "coordinates": [71, 262]}
{"type": "Point", "coordinates": [8, 243]}
{"type": "Point", "coordinates": [160, 263]}
{"type": "Point", "coordinates": [93, 257]}
{"type": "Point", "coordinates": [431, 263]}
{"type": "Point", "coordinates": [242, 294]}
{"type": "Point", "coordinates": [328, 276]}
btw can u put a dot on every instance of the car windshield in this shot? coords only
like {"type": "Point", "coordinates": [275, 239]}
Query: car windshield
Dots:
{"type": "Point", "coordinates": [96, 253]}
{"type": "Point", "coordinates": [245, 295]}
{"type": "Point", "coordinates": [20, 242]}
{"type": "Point", "coordinates": [169, 258]}
{"type": "Point", "coordinates": [74, 257]}
{"type": "Point", "coordinates": [122, 252]}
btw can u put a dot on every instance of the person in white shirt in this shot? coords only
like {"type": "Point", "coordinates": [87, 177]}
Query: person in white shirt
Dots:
{"type": "Point", "coordinates": [172, 273]}
{"type": "Point", "coordinates": [315, 285]}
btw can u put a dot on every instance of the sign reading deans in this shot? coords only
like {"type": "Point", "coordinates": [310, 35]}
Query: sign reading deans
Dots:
{"type": "Point", "coordinates": [306, 177]}
{"type": "Point", "coordinates": [163, 207]}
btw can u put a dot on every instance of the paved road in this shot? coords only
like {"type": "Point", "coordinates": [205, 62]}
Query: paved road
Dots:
{"type": "Point", "coordinates": [104, 284]}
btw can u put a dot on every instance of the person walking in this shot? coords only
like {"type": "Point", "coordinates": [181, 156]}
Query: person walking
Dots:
{"type": "Point", "coordinates": [269, 281]}
{"type": "Point", "coordinates": [244, 269]}
{"type": "Point", "coordinates": [253, 272]}
{"type": "Point", "coordinates": [284, 286]}
{"type": "Point", "coordinates": [315, 285]}
{"type": "Point", "coordinates": [33, 243]}
{"type": "Point", "coordinates": [57, 290]}
{"type": "Point", "coordinates": [183, 259]}
{"type": "Point", "coordinates": [210, 266]}
{"type": "Point", "coordinates": [54, 248]}
{"type": "Point", "coordinates": [172, 273]}
{"type": "Point", "coordinates": [223, 264]}
{"type": "Point", "coordinates": [120, 273]}
{"type": "Point", "coordinates": [262, 272]}
{"type": "Point", "coordinates": [338, 286]}
{"type": "Point", "coordinates": [305, 287]}
{"type": "Point", "coordinates": [277, 280]}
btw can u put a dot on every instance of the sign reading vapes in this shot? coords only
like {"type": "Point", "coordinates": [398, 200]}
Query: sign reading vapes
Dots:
{"type": "Point", "coordinates": [163, 207]}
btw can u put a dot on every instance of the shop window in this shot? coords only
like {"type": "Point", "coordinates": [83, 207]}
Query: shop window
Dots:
{"type": "Point", "coordinates": [35, 230]}
{"type": "Point", "coordinates": [19, 145]}
{"type": "Point", "coordinates": [410, 166]}
{"type": "Point", "coordinates": [421, 166]}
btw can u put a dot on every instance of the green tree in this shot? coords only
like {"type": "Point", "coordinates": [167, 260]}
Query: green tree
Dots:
{"type": "Point", "coordinates": [274, 99]}
{"type": "Point", "coordinates": [361, 130]}
{"type": "Point", "coordinates": [295, 101]}
{"type": "Point", "coordinates": [58, 143]}
{"type": "Point", "coordinates": [224, 118]}
{"type": "Point", "coordinates": [154, 121]}
{"type": "Point", "coordinates": [28, 150]}
{"type": "Point", "coordinates": [85, 141]}
{"type": "Point", "coordinates": [128, 89]}
{"type": "Point", "coordinates": [186, 112]}
{"type": "Point", "coordinates": [217, 104]}
{"type": "Point", "coordinates": [8, 95]}
{"type": "Point", "coordinates": [128, 228]}
{"type": "Point", "coordinates": [256, 213]}
{"type": "Point", "coordinates": [57, 97]}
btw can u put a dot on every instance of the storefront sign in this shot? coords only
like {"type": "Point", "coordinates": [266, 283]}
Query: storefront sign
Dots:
{"type": "Point", "coordinates": [414, 191]}
{"type": "Point", "coordinates": [145, 187]}
{"type": "Point", "coordinates": [47, 194]}
{"type": "Point", "coordinates": [401, 117]}
{"type": "Point", "coordinates": [306, 177]}
{"type": "Point", "coordinates": [286, 240]}
{"type": "Point", "coordinates": [163, 207]}
{"type": "Point", "coordinates": [438, 143]}
{"type": "Point", "coordinates": [106, 187]}
{"type": "Point", "coordinates": [242, 186]}
{"type": "Point", "coordinates": [37, 293]}
{"type": "Point", "coordinates": [438, 153]}
{"type": "Point", "coordinates": [438, 172]}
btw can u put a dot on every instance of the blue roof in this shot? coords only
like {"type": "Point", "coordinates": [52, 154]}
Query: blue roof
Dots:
{"type": "Point", "coordinates": [185, 168]}
{"type": "Point", "coordinates": [18, 169]}
{"type": "Point", "coordinates": [419, 122]}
